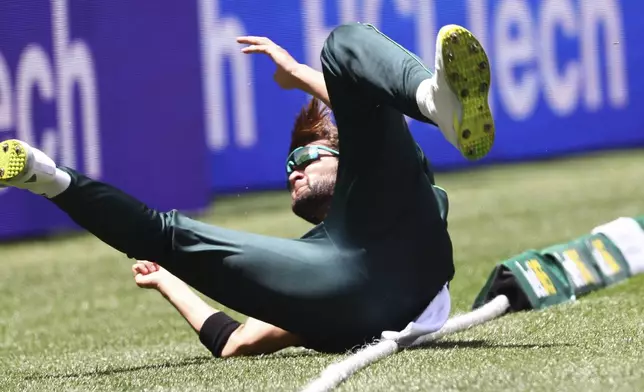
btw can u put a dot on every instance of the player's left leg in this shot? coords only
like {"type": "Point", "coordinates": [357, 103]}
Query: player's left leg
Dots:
{"type": "Point", "coordinates": [454, 96]}
{"type": "Point", "coordinates": [304, 286]}
{"type": "Point", "coordinates": [384, 201]}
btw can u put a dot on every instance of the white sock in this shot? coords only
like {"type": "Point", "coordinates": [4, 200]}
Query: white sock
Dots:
{"type": "Point", "coordinates": [49, 189]}
{"type": "Point", "coordinates": [436, 102]}
{"type": "Point", "coordinates": [426, 106]}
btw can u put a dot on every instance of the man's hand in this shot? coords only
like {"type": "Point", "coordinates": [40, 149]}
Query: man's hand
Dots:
{"type": "Point", "coordinates": [251, 338]}
{"type": "Point", "coordinates": [287, 66]}
{"type": "Point", "coordinates": [149, 275]}
{"type": "Point", "coordinates": [289, 74]}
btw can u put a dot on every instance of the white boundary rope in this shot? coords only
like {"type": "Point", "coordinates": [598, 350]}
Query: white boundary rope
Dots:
{"type": "Point", "coordinates": [337, 372]}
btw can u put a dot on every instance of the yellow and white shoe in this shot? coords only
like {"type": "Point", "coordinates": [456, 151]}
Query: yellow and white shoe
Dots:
{"type": "Point", "coordinates": [456, 97]}
{"type": "Point", "coordinates": [25, 167]}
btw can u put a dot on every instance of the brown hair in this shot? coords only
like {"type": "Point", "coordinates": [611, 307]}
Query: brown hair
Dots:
{"type": "Point", "coordinates": [314, 123]}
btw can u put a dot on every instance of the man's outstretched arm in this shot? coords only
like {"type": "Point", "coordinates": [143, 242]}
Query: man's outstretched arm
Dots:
{"type": "Point", "coordinates": [223, 336]}
{"type": "Point", "coordinates": [289, 74]}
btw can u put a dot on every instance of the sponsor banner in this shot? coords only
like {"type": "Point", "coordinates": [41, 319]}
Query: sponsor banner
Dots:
{"type": "Point", "coordinates": [578, 263]}
{"type": "Point", "coordinates": [530, 281]}
{"type": "Point", "coordinates": [627, 236]}
{"type": "Point", "coordinates": [159, 100]}
{"type": "Point", "coordinates": [607, 257]}
{"type": "Point", "coordinates": [565, 75]}
{"type": "Point", "coordinates": [111, 88]}
{"type": "Point", "coordinates": [558, 274]}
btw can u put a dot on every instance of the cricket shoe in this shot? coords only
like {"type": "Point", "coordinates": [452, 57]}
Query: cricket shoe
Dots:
{"type": "Point", "coordinates": [25, 167]}
{"type": "Point", "coordinates": [456, 97]}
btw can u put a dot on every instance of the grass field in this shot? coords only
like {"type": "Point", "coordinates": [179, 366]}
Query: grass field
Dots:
{"type": "Point", "coordinates": [72, 319]}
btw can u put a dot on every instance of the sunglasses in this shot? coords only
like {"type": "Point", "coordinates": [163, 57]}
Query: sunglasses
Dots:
{"type": "Point", "coordinates": [304, 155]}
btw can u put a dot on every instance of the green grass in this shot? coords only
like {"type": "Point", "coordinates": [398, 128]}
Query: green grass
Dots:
{"type": "Point", "coordinates": [71, 318]}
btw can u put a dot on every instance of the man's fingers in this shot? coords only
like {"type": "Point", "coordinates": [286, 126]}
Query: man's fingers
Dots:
{"type": "Point", "coordinates": [151, 266]}
{"type": "Point", "coordinates": [141, 280]}
{"type": "Point", "coordinates": [252, 40]}
{"type": "Point", "coordinates": [266, 49]}
{"type": "Point", "coordinates": [138, 268]}
{"type": "Point", "coordinates": [145, 268]}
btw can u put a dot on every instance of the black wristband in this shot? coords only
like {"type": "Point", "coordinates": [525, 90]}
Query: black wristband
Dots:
{"type": "Point", "coordinates": [216, 331]}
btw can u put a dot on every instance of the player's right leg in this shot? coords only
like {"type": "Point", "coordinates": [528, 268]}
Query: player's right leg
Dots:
{"type": "Point", "coordinates": [302, 286]}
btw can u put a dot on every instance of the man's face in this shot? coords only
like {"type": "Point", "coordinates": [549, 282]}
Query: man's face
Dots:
{"type": "Point", "coordinates": [311, 185]}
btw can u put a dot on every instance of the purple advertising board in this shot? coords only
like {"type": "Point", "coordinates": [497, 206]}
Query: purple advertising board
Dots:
{"type": "Point", "coordinates": [156, 97]}
{"type": "Point", "coordinates": [565, 76]}
{"type": "Point", "coordinates": [112, 89]}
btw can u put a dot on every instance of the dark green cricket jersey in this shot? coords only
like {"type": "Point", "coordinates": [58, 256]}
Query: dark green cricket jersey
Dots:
{"type": "Point", "coordinates": [374, 264]}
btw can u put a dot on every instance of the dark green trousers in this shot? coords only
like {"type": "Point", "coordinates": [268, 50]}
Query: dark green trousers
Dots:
{"type": "Point", "coordinates": [374, 264]}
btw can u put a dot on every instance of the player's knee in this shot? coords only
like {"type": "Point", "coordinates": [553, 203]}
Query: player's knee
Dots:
{"type": "Point", "coordinates": [154, 241]}
{"type": "Point", "coordinates": [163, 242]}
{"type": "Point", "coordinates": [172, 233]}
{"type": "Point", "coordinates": [336, 49]}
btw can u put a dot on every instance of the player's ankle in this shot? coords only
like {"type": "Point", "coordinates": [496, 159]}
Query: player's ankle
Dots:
{"type": "Point", "coordinates": [54, 187]}
{"type": "Point", "coordinates": [434, 107]}
{"type": "Point", "coordinates": [424, 100]}
{"type": "Point", "coordinates": [38, 173]}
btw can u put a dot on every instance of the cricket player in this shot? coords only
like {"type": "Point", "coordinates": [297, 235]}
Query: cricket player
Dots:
{"type": "Point", "coordinates": [379, 255]}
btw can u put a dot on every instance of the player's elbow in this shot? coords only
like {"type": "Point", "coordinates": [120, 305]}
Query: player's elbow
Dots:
{"type": "Point", "coordinates": [257, 338]}
{"type": "Point", "coordinates": [226, 338]}
{"type": "Point", "coordinates": [240, 344]}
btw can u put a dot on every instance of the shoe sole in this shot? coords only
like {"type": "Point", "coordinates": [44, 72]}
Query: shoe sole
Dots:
{"type": "Point", "coordinates": [13, 160]}
{"type": "Point", "coordinates": [467, 72]}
